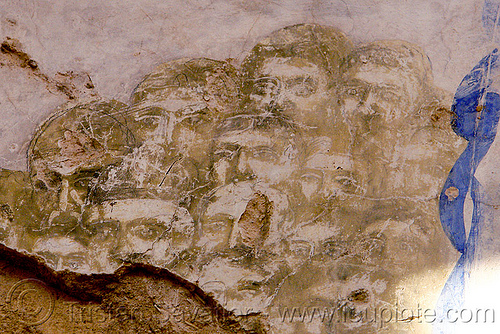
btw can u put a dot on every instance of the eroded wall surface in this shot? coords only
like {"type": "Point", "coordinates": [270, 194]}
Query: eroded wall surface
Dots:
{"type": "Point", "coordinates": [234, 167]}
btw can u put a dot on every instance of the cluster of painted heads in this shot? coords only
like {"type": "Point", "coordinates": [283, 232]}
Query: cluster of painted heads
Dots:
{"type": "Point", "coordinates": [255, 172]}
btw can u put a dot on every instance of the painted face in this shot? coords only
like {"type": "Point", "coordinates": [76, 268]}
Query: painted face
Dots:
{"type": "Point", "coordinates": [240, 228]}
{"type": "Point", "coordinates": [68, 154]}
{"type": "Point", "coordinates": [151, 231]}
{"type": "Point", "coordinates": [63, 253]}
{"type": "Point", "coordinates": [381, 103]}
{"type": "Point", "coordinates": [176, 141]}
{"type": "Point", "coordinates": [243, 287]}
{"type": "Point", "coordinates": [375, 111]}
{"type": "Point", "coordinates": [294, 84]}
{"type": "Point", "coordinates": [180, 102]}
{"type": "Point", "coordinates": [223, 222]}
{"type": "Point", "coordinates": [379, 91]}
{"type": "Point", "coordinates": [326, 173]}
{"type": "Point", "coordinates": [389, 242]}
{"type": "Point", "coordinates": [217, 227]}
{"type": "Point", "coordinates": [62, 189]}
{"type": "Point", "coordinates": [103, 236]}
{"type": "Point", "coordinates": [259, 155]}
{"type": "Point", "coordinates": [193, 131]}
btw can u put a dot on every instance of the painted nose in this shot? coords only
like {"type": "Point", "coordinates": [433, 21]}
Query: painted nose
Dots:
{"type": "Point", "coordinates": [60, 264]}
{"type": "Point", "coordinates": [63, 195]}
{"type": "Point", "coordinates": [242, 162]}
{"type": "Point", "coordinates": [368, 103]}
{"type": "Point", "coordinates": [69, 197]}
{"type": "Point", "coordinates": [369, 99]}
{"type": "Point", "coordinates": [233, 236]}
{"type": "Point", "coordinates": [242, 168]}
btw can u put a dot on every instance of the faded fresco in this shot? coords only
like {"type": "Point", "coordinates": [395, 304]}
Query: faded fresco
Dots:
{"type": "Point", "coordinates": [304, 177]}
{"type": "Point", "coordinates": [317, 184]}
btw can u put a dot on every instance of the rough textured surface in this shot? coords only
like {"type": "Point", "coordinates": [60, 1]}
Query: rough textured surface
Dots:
{"type": "Point", "coordinates": [137, 298]}
{"type": "Point", "coordinates": [306, 176]}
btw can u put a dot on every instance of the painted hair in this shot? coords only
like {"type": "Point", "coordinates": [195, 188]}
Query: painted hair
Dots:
{"type": "Point", "coordinates": [324, 46]}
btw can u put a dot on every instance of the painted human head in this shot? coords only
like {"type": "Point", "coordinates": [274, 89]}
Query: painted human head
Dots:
{"type": "Point", "coordinates": [239, 232]}
{"type": "Point", "coordinates": [386, 78]}
{"type": "Point", "coordinates": [149, 231]}
{"type": "Point", "coordinates": [263, 148]}
{"type": "Point", "coordinates": [255, 158]}
{"type": "Point", "coordinates": [292, 70]}
{"type": "Point", "coordinates": [173, 114]}
{"type": "Point", "coordinates": [69, 151]}
{"type": "Point", "coordinates": [63, 252]}
{"type": "Point", "coordinates": [397, 119]}
{"type": "Point", "coordinates": [293, 73]}
{"type": "Point", "coordinates": [180, 101]}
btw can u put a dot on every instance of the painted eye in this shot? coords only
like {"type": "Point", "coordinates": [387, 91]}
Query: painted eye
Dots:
{"type": "Point", "coordinates": [227, 151]}
{"type": "Point", "coordinates": [146, 233]}
{"type": "Point", "coordinates": [264, 154]}
{"type": "Point", "coordinates": [73, 265]}
{"type": "Point", "coordinates": [266, 87]}
{"type": "Point", "coordinates": [249, 285]}
{"type": "Point", "coordinates": [389, 96]}
{"type": "Point", "coordinates": [372, 245]}
{"type": "Point", "coordinates": [421, 230]}
{"type": "Point", "coordinates": [347, 183]}
{"type": "Point", "coordinates": [82, 183]}
{"type": "Point", "coordinates": [311, 178]}
{"type": "Point", "coordinates": [302, 87]}
{"type": "Point", "coordinates": [40, 185]}
{"type": "Point", "coordinates": [334, 248]}
{"type": "Point", "coordinates": [50, 180]}
{"type": "Point", "coordinates": [300, 248]}
{"type": "Point", "coordinates": [352, 91]}
{"type": "Point", "coordinates": [199, 117]}
{"type": "Point", "coordinates": [344, 180]}
{"type": "Point", "coordinates": [303, 90]}
{"type": "Point", "coordinates": [218, 226]}
{"type": "Point", "coordinates": [356, 91]}
{"type": "Point", "coordinates": [85, 179]}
